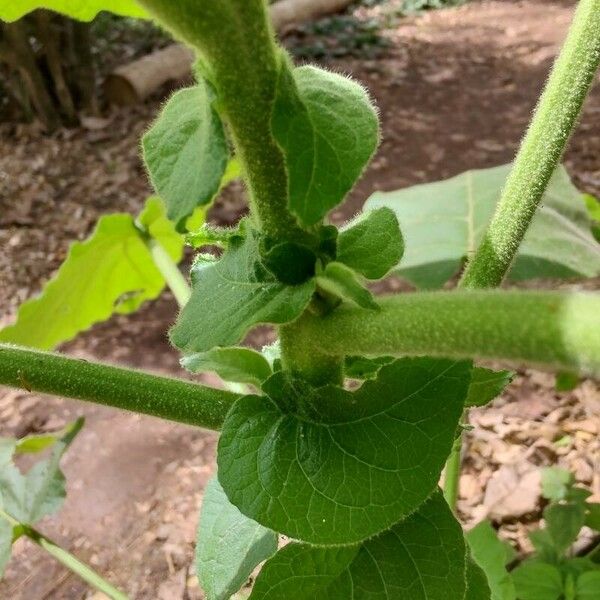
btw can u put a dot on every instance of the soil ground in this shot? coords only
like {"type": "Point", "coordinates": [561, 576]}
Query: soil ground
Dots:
{"type": "Point", "coordinates": [455, 89]}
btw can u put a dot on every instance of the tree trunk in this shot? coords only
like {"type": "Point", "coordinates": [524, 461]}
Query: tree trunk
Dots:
{"type": "Point", "coordinates": [20, 56]}
{"type": "Point", "coordinates": [83, 67]}
{"type": "Point", "coordinates": [49, 66]}
{"type": "Point", "coordinates": [50, 37]}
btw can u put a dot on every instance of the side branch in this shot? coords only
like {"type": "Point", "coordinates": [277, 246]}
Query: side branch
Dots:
{"type": "Point", "coordinates": [555, 330]}
{"type": "Point", "coordinates": [541, 150]}
{"type": "Point", "coordinates": [164, 397]}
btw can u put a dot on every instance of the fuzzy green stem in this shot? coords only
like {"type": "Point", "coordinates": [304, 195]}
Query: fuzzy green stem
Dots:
{"type": "Point", "coordinates": [557, 330]}
{"type": "Point", "coordinates": [66, 558]}
{"type": "Point", "coordinates": [164, 397]}
{"type": "Point", "coordinates": [306, 360]}
{"type": "Point", "coordinates": [237, 46]}
{"type": "Point", "coordinates": [541, 150]}
{"type": "Point", "coordinates": [170, 271]}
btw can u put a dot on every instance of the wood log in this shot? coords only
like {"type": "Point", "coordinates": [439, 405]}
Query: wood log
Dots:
{"type": "Point", "coordinates": [136, 81]}
{"type": "Point", "coordinates": [289, 12]}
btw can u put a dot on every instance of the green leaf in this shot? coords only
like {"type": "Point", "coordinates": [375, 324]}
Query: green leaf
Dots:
{"type": "Point", "coordinates": [443, 222]}
{"type": "Point", "coordinates": [486, 385]}
{"type": "Point", "coordinates": [564, 522]}
{"type": "Point", "coordinates": [241, 365]}
{"type": "Point", "coordinates": [229, 545]}
{"type": "Point", "coordinates": [154, 222]}
{"type": "Point", "coordinates": [588, 586]}
{"type": "Point", "coordinates": [329, 466]}
{"type": "Point", "coordinates": [537, 581]}
{"type": "Point", "coordinates": [361, 367]}
{"type": "Point", "coordinates": [544, 546]}
{"type": "Point", "coordinates": [574, 567]}
{"type": "Point", "coordinates": [186, 151]}
{"type": "Point", "coordinates": [491, 555]}
{"type": "Point", "coordinates": [112, 271]}
{"type": "Point", "coordinates": [341, 281]}
{"type": "Point", "coordinates": [328, 131]}
{"type": "Point", "coordinates": [477, 583]}
{"type": "Point", "coordinates": [7, 449]}
{"type": "Point", "coordinates": [593, 206]}
{"type": "Point", "coordinates": [420, 558]}
{"type": "Point", "coordinates": [41, 491]}
{"type": "Point", "coordinates": [6, 540]}
{"type": "Point", "coordinates": [372, 244]}
{"type": "Point", "coordinates": [565, 382]}
{"type": "Point", "coordinates": [592, 519]}
{"type": "Point", "coordinates": [86, 10]}
{"type": "Point", "coordinates": [303, 572]}
{"type": "Point", "coordinates": [234, 294]}
{"type": "Point", "coordinates": [556, 483]}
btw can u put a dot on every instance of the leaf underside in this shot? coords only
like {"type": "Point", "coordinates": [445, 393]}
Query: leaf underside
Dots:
{"type": "Point", "coordinates": [372, 244]}
{"type": "Point", "coordinates": [444, 222]}
{"type": "Point", "coordinates": [186, 152]}
{"type": "Point", "coordinates": [229, 545]}
{"type": "Point", "coordinates": [328, 131]}
{"type": "Point", "coordinates": [241, 365]}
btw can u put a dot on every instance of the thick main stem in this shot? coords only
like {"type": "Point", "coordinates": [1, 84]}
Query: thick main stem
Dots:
{"type": "Point", "coordinates": [238, 50]}
{"type": "Point", "coordinates": [541, 150]}
{"type": "Point", "coordinates": [164, 397]}
{"type": "Point", "coordinates": [556, 330]}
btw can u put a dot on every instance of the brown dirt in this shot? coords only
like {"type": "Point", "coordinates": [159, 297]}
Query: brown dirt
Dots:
{"type": "Point", "coordinates": [455, 91]}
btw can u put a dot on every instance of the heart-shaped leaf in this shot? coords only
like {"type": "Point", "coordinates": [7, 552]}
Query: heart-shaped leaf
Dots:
{"type": "Point", "coordinates": [328, 130]}
{"type": "Point", "coordinates": [330, 466]}
{"type": "Point", "coordinates": [444, 222]}
{"type": "Point", "coordinates": [232, 295]}
{"type": "Point", "coordinates": [420, 558]}
{"type": "Point", "coordinates": [229, 546]}
{"type": "Point", "coordinates": [186, 151]}
{"type": "Point", "coordinates": [372, 244]}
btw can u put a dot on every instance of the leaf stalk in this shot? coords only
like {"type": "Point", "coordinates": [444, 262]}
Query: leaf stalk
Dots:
{"type": "Point", "coordinates": [66, 558]}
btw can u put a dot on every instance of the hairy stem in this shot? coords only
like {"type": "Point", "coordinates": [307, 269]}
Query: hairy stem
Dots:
{"type": "Point", "coordinates": [306, 360]}
{"type": "Point", "coordinates": [66, 558]}
{"type": "Point", "coordinates": [541, 150]}
{"type": "Point", "coordinates": [164, 397]}
{"type": "Point", "coordinates": [558, 330]}
{"type": "Point", "coordinates": [237, 46]}
{"type": "Point", "coordinates": [170, 271]}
